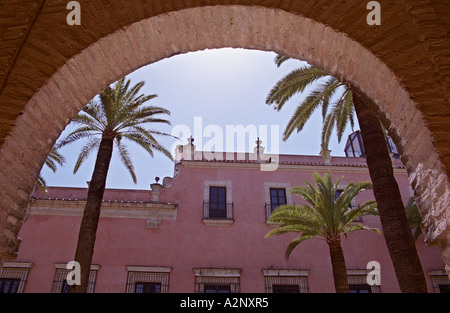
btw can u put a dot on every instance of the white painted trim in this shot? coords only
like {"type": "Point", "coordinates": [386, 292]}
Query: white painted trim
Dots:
{"type": "Point", "coordinates": [217, 272]}
{"type": "Point", "coordinates": [268, 185]}
{"type": "Point", "coordinates": [14, 264]}
{"type": "Point", "coordinates": [218, 183]}
{"type": "Point", "coordinates": [287, 272]}
{"type": "Point", "coordinates": [143, 210]}
{"type": "Point", "coordinates": [59, 265]}
{"type": "Point", "coordinates": [149, 269]}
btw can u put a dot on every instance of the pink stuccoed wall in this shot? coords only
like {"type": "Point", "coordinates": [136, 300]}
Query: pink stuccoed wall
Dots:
{"type": "Point", "coordinates": [187, 243]}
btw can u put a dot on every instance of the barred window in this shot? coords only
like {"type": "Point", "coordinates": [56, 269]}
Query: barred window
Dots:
{"type": "Point", "coordinates": [60, 284]}
{"type": "Point", "coordinates": [440, 280]}
{"type": "Point", "coordinates": [9, 285]}
{"type": "Point", "coordinates": [13, 276]}
{"type": "Point", "coordinates": [148, 287]}
{"type": "Point", "coordinates": [359, 288]}
{"type": "Point", "coordinates": [148, 279]}
{"type": "Point", "coordinates": [217, 288]}
{"type": "Point", "coordinates": [286, 281]}
{"type": "Point", "coordinates": [217, 280]}
{"type": "Point", "coordinates": [357, 282]}
{"type": "Point", "coordinates": [286, 288]}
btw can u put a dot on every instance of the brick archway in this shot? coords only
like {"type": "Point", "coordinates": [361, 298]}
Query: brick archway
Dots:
{"type": "Point", "coordinates": [57, 92]}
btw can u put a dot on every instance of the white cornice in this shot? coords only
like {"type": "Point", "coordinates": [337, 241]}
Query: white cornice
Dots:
{"type": "Point", "coordinates": [152, 211]}
{"type": "Point", "coordinates": [285, 272]}
{"type": "Point", "coordinates": [281, 166]}
{"type": "Point", "coordinates": [151, 269]}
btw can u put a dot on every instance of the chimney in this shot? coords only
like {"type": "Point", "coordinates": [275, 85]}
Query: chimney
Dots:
{"type": "Point", "coordinates": [155, 190]}
{"type": "Point", "coordinates": [185, 152]}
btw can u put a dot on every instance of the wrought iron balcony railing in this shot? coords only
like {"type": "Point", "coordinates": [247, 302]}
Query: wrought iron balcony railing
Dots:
{"type": "Point", "coordinates": [217, 210]}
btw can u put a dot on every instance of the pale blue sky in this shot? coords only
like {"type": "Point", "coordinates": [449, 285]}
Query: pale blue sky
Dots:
{"type": "Point", "coordinates": [222, 87]}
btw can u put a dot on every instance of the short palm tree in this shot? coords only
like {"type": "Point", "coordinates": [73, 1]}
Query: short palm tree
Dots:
{"type": "Point", "coordinates": [52, 161]}
{"type": "Point", "coordinates": [339, 103]}
{"type": "Point", "coordinates": [118, 116]}
{"type": "Point", "coordinates": [324, 217]}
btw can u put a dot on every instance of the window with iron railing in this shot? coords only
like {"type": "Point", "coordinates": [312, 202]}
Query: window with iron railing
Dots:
{"type": "Point", "coordinates": [277, 198]}
{"type": "Point", "coordinates": [217, 207]}
{"type": "Point", "coordinates": [210, 211]}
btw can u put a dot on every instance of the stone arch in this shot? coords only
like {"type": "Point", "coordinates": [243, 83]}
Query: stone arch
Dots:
{"type": "Point", "coordinates": [69, 87]}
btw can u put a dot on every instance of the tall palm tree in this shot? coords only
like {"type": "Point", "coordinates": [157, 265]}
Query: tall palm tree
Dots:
{"type": "Point", "coordinates": [52, 161]}
{"type": "Point", "coordinates": [338, 114]}
{"type": "Point", "coordinates": [119, 115]}
{"type": "Point", "coordinates": [324, 217]}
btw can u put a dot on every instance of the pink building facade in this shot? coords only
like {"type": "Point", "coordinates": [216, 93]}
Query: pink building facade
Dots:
{"type": "Point", "coordinates": [203, 230]}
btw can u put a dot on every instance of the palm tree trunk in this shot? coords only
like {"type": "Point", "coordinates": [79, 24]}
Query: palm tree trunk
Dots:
{"type": "Point", "coordinates": [91, 215]}
{"type": "Point", "coordinates": [338, 265]}
{"type": "Point", "coordinates": [397, 232]}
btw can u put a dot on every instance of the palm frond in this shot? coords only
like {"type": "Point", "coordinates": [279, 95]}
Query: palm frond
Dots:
{"type": "Point", "coordinates": [280, 59]}
{"type": "Point", "coordinates": [295, 242]}
{"type": "Point", "coordinates": [293, 83]}
{"type": "Point", "coordinates": [148, 143]}
{"type": "Point", "coordinates": [126, 159]}
{"type": "Point", "coordinates": [41, 184]}
{"type": "Point", "coordinates": [93, 144]}
{"type": "Point", "coordinates": [359, 226]}
{"type": "Point", "coordinates": [119, 112]}
{"type": "Point", "coordinates": [414, 217]}
{"type": "Point", "coordinates": [53, 159]}
{"type": "Point", "coordinates": [295, 215]}
{"type": "Point", "coordinates": [354, 213]}
{"type": "Point", "coordinates": [326, 217]}
{"type": "Point", "coordinates": [327, 129]}
{"type": "Point", "coordinates": [80, 133]}
{"type": "Point", "coordinates": [92, 115]}
{"type": "Point", "coordinates": [344, 111]}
